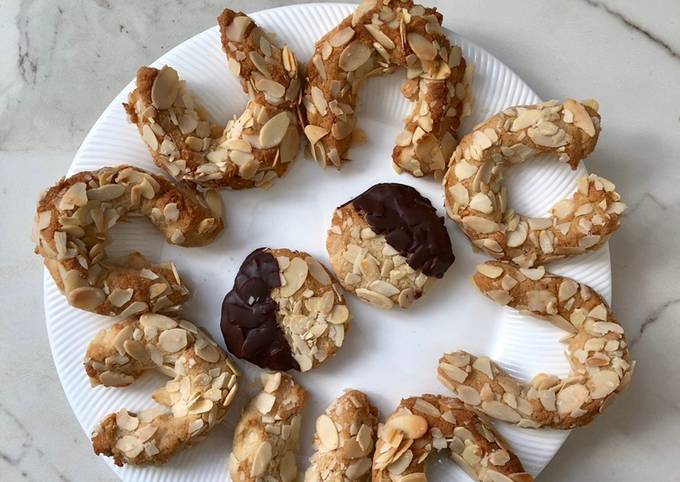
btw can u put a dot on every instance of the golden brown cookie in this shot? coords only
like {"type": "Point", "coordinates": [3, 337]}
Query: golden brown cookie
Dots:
{"type": "Point", "coordinates": [376, 39]}
{"type": "Point", "coordinates": [476, 198]}
{"type": "Point", "coordinates": [344, 440]}
{"type": "Point", "coordinates": [388, 245]}
{"type": "Point", "coordinates": [254, 148]}
{"type": "Point", "coordinates": [285, 311]}
{"type": "Point", "coordinates": [596, 348]}
{"type": "Point", "coordinates": [428, 423]}
{"type": "Point", "coordinates": [204, 382]}
{"type": "Point", "coordinates": [71, 228]}
{"type": "Point", "coordinates": [267, 436]}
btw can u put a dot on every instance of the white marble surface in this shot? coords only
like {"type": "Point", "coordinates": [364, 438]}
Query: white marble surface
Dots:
{"type": "Point", "coordinates": [62, 62]}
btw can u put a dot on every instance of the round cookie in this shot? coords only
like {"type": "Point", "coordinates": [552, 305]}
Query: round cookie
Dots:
{"type": "Point", "coordinates": [388, 245]}
{"type": "Point", "coordinates": [284, 312]}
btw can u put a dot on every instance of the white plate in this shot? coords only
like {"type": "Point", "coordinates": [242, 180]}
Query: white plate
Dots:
{"type": "Point", "coordinates": [390, 354]}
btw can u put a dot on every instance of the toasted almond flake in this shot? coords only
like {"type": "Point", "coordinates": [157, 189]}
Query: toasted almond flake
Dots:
{"type": "Point", "coordinates": [489, 270]}
{"type": "Point", "coordinates": [273, 131]}
{"type": "Point", "coordinates": [271, 87]}
{"type": "Point", "coordinates": [272, 381]}
{"type": "Point", "coordinates": [354, 56]}
{"type": "Point", "coordinates": [327, 433]}
{"type": "Point", "coordinates": [380, 36]}
{"type": "Point", "coordinates": [464, 170]}
{"type": "Point", "coordinates": [315, 133]}
{"type": "Point", "coordinates": [500, 411]}
{"type": "Point", "coordinates": [422, 47]}
{"type": "Point", "coordinates": [571, 398]}
{"type": "Point", "coordinates": [149, 137]}
{"type": "Point", "coordinates": [164, 90]}
{"type": "Point", "coordinates": [172, 340]}
{"type": "Point", "coordinates": [374, 298]}
{"type": "Point", "coordinates": [155, 320]}
{"type": "Point", "coordinates": [126, 422]}
{"type": "Point", "coordinates": [264, 402]}
{"type": "Point", "coordinates": [480, 224]}
{"type": "Point", "coordinates": [413, 426]}
{"type": "Point", "coordinates": [115, 379]}
{"type": "Point", "coordinates": [534, 274]}
{"type": "Point", "coordinates": [261, 460]}
{"type": "Point", "coordinates": [341, 37]}
{"type": "Point", "coordinates": [130, 446]}
{"type": "Point", "coordinates": [295, 276]}
{"type": "Point", "coordinates": [582, 119]}
{"type": "Point", "coordinates": [482, 203]}
{"type": "Point", "coordinates": [236, 30]}
{"type": "Point", "coordinates": [603, 383]}
{"type": "Point", "coordinates": [86, 298]}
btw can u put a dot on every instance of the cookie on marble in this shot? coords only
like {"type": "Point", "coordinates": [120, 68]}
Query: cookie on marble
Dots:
{"type": "Point", "coordinates": [476, 197]}
{"type": "Point", "coordinates": [285, 311]}
{"type": "Point", "coordinates": [344, 440]}
{"type": "Point", "coordinates": [254, 148]}
{"type": "Point", "coordinates": [388, 245]}
{"type": "Point", "coordinates": [378, 38]}
{"type": "Point", "coordinates": [71, 232]}
{"type": "Point", "coordinates": [204, 383]}
{"type": "Point", "coordinates": [266, 439]}
{"type": "Point", "coordinates": [601, 367]}
{"type": "Point", "coordinates": [431, 423]}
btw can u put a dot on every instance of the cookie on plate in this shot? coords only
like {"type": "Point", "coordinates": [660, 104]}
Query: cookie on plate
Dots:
{"type": "Point", "coordinates": [388, 245]}
{"type": "Point", "coordinates": [285, 311]}
{"type": "Point", "coordinates": [344, 440]}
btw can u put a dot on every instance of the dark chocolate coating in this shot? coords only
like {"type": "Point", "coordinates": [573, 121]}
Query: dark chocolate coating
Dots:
{"type": "Point", "coordinates": [249, 322]}
{"type": "Point", "coordinates": [410, 225]}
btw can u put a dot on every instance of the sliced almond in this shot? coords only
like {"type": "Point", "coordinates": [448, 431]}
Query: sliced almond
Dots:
{"type": "Point", "coordinates": [413, 426]}
{"type": "Point", "coordinates": [165, 88]}
{"type": "Point", "coordinates": [295, 276]}
{"type": "Point", "coordinates": [327, 433]}
{"type": "Point", "coordinates": [261, 460]}
{"type": "Point", "coordinates": [341, 37]}
{"type": "Point", "coordinates": [315, 133]}
{"type": "Point", "coordinates": [354, 56]}
{"type": "Point", "coordinates": [422, 47]}
{"type": "Point", "coordinates": [273, 131]}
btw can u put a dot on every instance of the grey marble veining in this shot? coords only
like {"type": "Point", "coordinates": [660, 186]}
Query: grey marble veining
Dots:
{"type": "Point", "coordinates": [62, 62]}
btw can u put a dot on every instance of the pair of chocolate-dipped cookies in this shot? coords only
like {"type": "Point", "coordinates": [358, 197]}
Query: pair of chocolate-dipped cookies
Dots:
{"type": "Point", "coordinates": [287, 311]}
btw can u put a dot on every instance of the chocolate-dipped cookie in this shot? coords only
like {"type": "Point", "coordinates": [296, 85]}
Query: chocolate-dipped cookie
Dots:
{"type": "Point", "coordinates": [388, 245]}
{"type": "Point", "coordinates": [284, 312]}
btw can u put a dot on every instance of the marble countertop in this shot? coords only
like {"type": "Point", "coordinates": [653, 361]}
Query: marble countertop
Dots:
{"type": "Point", "coordinates": [62, 62]}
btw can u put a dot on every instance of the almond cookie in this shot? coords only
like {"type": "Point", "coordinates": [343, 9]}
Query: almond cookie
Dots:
{"type": "Point", "coordinates": [204, 382]}
{"type": "Point", "coordinates": [267, 436]}
{"type": "Point", "coordinates": [71, 228]}
{"type": "Point", "coordinates": [428, 423]}
{"type": "Point", "coordinates": [596, 348]}
{"type": "Point", "coordinates": [376, 39]}
{"type": "Point", "coordinates": [285, 311]}
{"type": "Point", "coordinates": [388, 245]}
{"type": "Point", "coordinates": [344, 440]}
{"type": "Point", "coordinates": [476, 197]}
{"type": "Point", "coordinates": [254, 148]}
